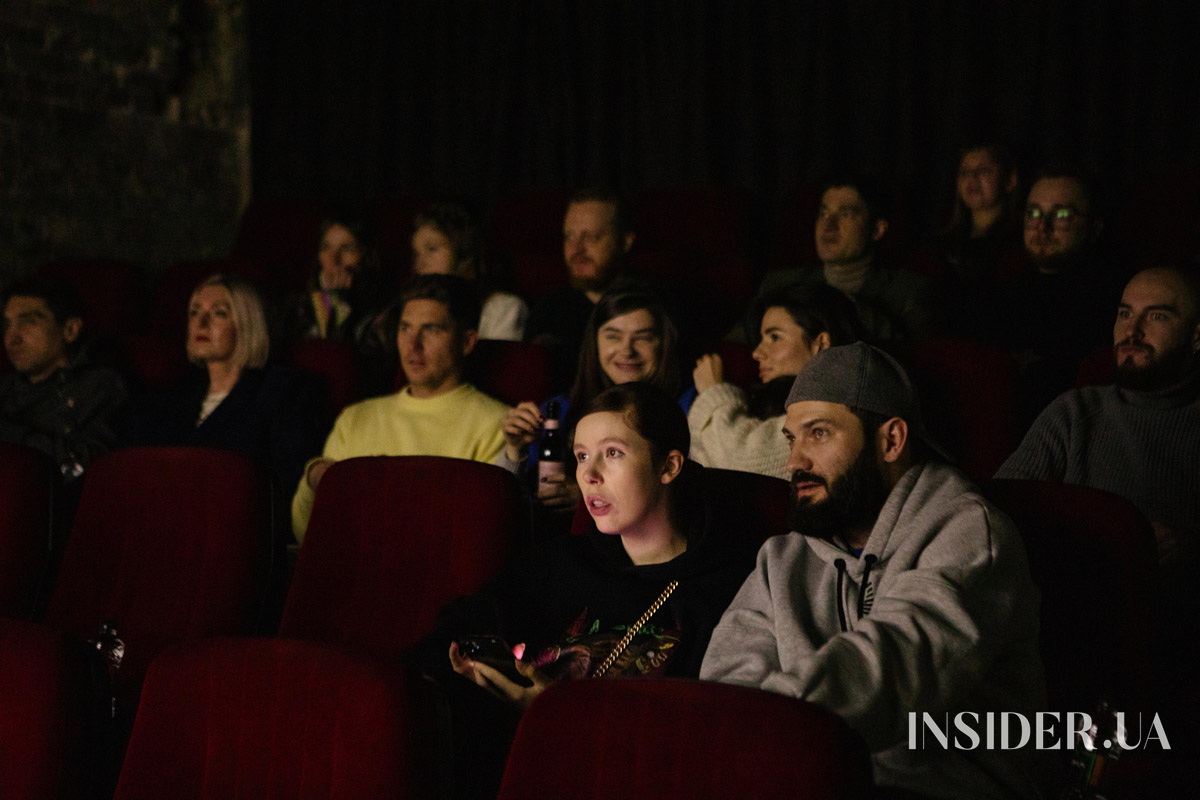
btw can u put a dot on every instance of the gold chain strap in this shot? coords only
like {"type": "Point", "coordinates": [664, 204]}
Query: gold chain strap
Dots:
{"type": "Point", "coordinates": [637, 626]}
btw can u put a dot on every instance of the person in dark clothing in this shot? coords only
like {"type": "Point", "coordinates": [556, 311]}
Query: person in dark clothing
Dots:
{"type": "Point", "coordinates": [596, 239]}
{"type": "Point", "coordinates": [637, 596]}
{"type": "Point", "coordinates": [235, 401]}
{"type": "Point", "coordinates": [54, 400]}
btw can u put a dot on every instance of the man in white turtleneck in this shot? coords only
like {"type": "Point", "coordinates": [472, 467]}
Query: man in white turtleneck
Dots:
{"type": "Point", "coordinates": [1139, 438]}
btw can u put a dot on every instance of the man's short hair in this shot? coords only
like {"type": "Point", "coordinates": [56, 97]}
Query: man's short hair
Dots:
{"type": "Point", "coordinates": [60, 297]}
{"type": "Point", "coordinates": [1084, 179]}
{"type": "Point", "coordinates": [871, 191]}
{"type": "Point", "coordinates": [621, 218]}
{"type": "Point", "coordinates": [453, 292]}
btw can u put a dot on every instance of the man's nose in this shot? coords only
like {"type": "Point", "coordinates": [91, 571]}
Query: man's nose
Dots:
{"type": "Point", "coordinates": [797, 459]}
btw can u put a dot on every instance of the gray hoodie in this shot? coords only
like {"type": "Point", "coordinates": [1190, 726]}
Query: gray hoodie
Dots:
{"type": "Point", "coordinates": [947, 622]}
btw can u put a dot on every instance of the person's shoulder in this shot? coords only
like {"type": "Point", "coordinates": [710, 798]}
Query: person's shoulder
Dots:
{"type": "Point", "coordinates": [383, 405]}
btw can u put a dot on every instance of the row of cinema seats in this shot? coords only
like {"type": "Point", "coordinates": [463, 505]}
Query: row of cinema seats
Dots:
{"type": "Point", "coordinates": [174, 545]}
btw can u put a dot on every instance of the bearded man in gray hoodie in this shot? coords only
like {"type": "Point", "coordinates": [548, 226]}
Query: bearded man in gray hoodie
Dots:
{"type": "Point", "coordinates": [900, 592]}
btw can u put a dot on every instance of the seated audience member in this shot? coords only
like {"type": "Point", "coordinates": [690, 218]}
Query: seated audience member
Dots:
{"type": "Point", "coordinates": [1056, 312]}
{"type": "Point", "coordinates": [1140, 438]}
{"type": "Point", "coordinates": [337, 303]}
{"type": "Point", "coordinates": [892, 304]}
{"type": "Point", "coordinates": [900, 589]}
{"type": "Point", "coordinates": [735, 429]}
{"type": "Point", "coordinates": [234, 400]}
{"type": "Point", "coordinates": [980, 241]}
{"type": "Point", "coordinates": [54, 400]}
{"type": "Point", "coordinates": [636, 597]}
{"type": "Point", "coordinates": [630, 337]}
{"type": "Point", "coordinates": [597, 238]}
{"type": "Point", "coordinates": [446, 241]}
{"type": "Point", "coordinates": [437, 413]}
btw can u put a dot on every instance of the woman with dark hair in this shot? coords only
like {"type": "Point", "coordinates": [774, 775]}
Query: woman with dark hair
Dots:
{"type": "Point", "coordinates": [447, 241]}
{"type": "Point", "coordinates": [334, 306]}
{"type": "Point", "coordinates": [234, 400]}
{"type": "Point", "coordinates": [732, 429]}
{"type": "Point", "coordinates": [638, 596]}
{"type": "Point", "coordinates": [982, 241]}
{"type": "Point", "coordinates": [629, 337]}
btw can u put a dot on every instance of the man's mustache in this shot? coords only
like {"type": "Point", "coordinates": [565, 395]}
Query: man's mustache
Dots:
{"type": "Point", "coordinates": [802, 476]}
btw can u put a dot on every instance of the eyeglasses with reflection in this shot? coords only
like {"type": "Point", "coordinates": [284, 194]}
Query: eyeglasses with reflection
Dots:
{"type": "Point", "coordinates": [1060, 218]}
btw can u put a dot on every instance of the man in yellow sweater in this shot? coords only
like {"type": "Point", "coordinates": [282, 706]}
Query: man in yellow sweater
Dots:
{"type": "Point", "coordinates": [437, 413]}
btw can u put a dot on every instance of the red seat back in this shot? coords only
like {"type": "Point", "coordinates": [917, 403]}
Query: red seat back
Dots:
{"type": "Point", "coordinates": [26, 486]}
{"type": "Point", "coordinates": [336, 364]}
{"type": "Point", "coordinates": [270, 719]}
{"type": "Point", "coordinates": [1092, 555]}
{"type": "Point", "coordinates": [44, 702]}
{"type": "Point", "coordinates": [968, 399]}
{"type": "Point", "coordinates": [681, 739]}
{"type": "Point", "coordinates": [511, 371]}
{"type": "Point", "coordinates": [111, 292]}
{"type": "Point", "coordinates": [171, 543]}
{"type": "Point", "coordinates": [391, 539]}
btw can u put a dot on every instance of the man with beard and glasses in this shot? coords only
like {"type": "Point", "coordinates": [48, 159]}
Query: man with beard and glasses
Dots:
{"type": "Point", "coordinates": [1139, 438]}
{"type": "Point", "coordinates": [597, 238]}
{"type": "Point", "coordinates": [900, 590]}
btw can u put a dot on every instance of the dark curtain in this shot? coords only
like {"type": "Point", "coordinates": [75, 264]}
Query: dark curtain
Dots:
{"type": "Point", "coordinates": [474, 97]}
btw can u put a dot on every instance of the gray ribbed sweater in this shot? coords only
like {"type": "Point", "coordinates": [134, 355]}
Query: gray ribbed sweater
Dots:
{"type": "Point", "coordinates": [1143, 446]}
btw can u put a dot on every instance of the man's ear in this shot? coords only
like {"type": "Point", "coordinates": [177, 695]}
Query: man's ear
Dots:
{"type": "Point", "coordinates": [881, 226]}
{"type": "Point", "coordinates": [72, 328]}
{"type": "Point", "coordinates": [627, 242]}
{"type": "Point", "coordinates": [469, 339]}
{"type": "Point", "coordinates": [893, 437]}
{"type": "Point", "coordinates": [820, 342]}
{"type": "Point", "coordinates": [672, 466]}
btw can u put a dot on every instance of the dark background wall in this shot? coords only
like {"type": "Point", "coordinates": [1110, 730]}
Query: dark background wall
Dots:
{"type": "Point", "coordinates": [474, 98]}
{"type": "Point", "coordinates": [124, 129]}
{"type": "Point", "coordinates": [125, 124]}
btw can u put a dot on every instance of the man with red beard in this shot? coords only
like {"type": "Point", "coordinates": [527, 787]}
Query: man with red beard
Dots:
{"type": "Point", "coordinates": [596, 239]}
{"type": "Point", "coordinates": [900, 591]}
{"type": "Point", "coordinates": [1139, 438]}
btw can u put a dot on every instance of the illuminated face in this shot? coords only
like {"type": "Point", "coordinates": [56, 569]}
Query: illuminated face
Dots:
{"type": "Point", "coordinates": [980, 182]}
{"type": "Point", "coordinates": [592, 246]}
{"type": "Point", "coordinates": [844, 231]}
{"type": "Point", "coordinates": [36, 343]}
{"type": "Point", "coordinates": [837, 485]}
{"type": "Point", "coordinates": [431, 348]}
{"type": "Point", "coordinates": [340, 257]}
{"type": "Point", "coordinates": [622, 488]}
{"type": "Point", "coordinates": [1056, 221]}
{"type": "Point", "coordinates": [629, 347]}
{"type": "Point", "coordinates": [1157, 330]}
{"type": "Point", "coordinates": [784, 348]}
{"type": "Point", "coordinates": [212, 335]}
{"type": "Point", "coordinates": [432, 252]}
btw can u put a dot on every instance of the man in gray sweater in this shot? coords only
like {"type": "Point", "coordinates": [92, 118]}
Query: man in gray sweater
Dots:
{"type": "Point", "coordinates": [1139, 438]}
{"type": "Point", "coordinates": [901, 592]}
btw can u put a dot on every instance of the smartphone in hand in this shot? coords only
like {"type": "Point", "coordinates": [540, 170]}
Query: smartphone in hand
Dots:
{"type": "Point", "coordinates": [495, 652]}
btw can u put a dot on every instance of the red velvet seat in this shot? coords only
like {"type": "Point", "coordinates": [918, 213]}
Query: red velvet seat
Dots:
{"type": "Point", "coordinates": [111, 292]}
{"type": "Point", "coordinates": [270, 719]}
{"type": "Point", "coordinates": [44, 700]}
{"type": "Point", "coordinates": [170, 543]}
{"type": "Point", "coordinates": [26, 487]}
{"type": "Point", "coordinates": [681, 739]}
{"type": "Point", "coordinates": [968, 397]}
{"type": "Point", "coordinates": [538, 274]}
{"type": "Point", "coordinates": [698, 218]}
{"type": "Point", "coordinates": [281, 236]}
{"type": "Point", "coordinates": [528, 221]}
{"type": "Point", "coordinates": [511, 371]}
{"type": "Point", "coordinates": [740, 367]}
{"type": "Point", "coordinates": [1097, 368]}
{"type": "Point", "coordinates": [391, 539]}
{"type": "Point", "coordinates": [1092, 555]}
{"type": "Point", "coordinates": [336, 364]}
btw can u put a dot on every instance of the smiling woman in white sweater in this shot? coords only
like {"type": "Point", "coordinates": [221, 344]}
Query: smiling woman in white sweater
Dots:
{"type": "Point", "coordinates": [742, 430]}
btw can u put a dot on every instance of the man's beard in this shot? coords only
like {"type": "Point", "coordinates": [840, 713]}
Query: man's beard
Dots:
{"type": "Point", "coordinates": [853, 501]}
{"type": "Point", "coordinates": [1165, 370]}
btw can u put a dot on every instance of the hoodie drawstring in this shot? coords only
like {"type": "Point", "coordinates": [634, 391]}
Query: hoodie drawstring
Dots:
{"type": "Point", "coordinates": [841, 569]}
{"type": "Point", "coordinates": [866, 582]}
